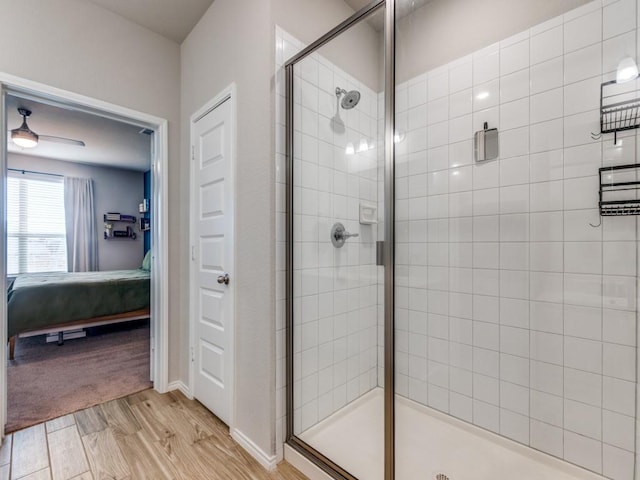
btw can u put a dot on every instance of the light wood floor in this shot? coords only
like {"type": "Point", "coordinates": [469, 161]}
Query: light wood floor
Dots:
{"type": "Point", "coordinates": [143, 436]}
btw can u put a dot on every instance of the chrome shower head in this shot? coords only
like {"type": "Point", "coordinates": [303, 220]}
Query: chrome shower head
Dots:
{"type": "Point", "coordinates": [350, 99]}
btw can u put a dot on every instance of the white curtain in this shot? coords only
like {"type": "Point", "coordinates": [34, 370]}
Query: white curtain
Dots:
{"type": "Point", "coordinates": [80, 218]}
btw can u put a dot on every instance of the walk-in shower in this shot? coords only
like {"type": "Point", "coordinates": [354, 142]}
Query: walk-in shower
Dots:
{"type": "Point", "coordinates": [453, 315]}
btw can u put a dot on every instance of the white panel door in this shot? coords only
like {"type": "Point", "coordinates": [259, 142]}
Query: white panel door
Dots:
{"type": "Point", "coordinates": [212, 256]}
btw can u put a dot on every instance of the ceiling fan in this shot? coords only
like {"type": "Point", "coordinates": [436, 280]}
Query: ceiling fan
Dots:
{"type": "Point", "coordinates": [24, 137]}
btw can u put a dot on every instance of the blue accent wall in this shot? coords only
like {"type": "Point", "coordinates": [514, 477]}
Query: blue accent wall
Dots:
{"type": "Point", "coordinates": [147, 195]}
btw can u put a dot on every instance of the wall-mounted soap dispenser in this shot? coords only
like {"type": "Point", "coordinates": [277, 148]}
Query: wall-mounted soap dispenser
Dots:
{"type": "Point", "coordinates": [485, 144]}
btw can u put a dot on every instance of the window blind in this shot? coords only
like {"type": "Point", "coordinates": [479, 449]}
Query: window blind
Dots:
{"type": "Point", "coordinates": [36, 236]}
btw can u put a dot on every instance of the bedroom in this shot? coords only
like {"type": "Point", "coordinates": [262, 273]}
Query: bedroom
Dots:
{"type": "Point", "coordinates": [95, 318]}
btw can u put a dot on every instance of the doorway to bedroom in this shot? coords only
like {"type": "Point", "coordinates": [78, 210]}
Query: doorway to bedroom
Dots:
{"type": "Point", "coordinates": [79, 241]}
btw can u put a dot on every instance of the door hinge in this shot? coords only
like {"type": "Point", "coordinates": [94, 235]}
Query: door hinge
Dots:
{"type": "Point", "coordinates": [193, 152]}
{"type": "Point", "coordinates": [193, 356]}
{"type": "Point", "coordinates": [380, 252]}
{"type": "Point", "coordinates": [193, 252]}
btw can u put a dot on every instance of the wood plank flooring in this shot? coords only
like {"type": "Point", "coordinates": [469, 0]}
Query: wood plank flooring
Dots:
{"type": "Point", "coordinates": [143, 436]}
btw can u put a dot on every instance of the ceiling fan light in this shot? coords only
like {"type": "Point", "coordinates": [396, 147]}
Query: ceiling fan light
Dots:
{"type": "Point", "coordinates": [24, 137]}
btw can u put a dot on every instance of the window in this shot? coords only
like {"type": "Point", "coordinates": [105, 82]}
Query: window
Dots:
{"type": "Point", "coordinates": [36, 237]}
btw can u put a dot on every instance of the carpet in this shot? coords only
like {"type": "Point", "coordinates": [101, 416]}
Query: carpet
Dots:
{"type": "Point", "coordinates": [46, 381]}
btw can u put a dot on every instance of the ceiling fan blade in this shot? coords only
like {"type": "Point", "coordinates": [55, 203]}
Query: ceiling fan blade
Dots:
{"type": "Point", "coordinates": [50, 138]}
{"type": "Point", "coordinates": [68, 141]}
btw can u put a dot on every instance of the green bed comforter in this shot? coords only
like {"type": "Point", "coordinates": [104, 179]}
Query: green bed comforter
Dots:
{"type": "Point", "coordinates": [46, 299]}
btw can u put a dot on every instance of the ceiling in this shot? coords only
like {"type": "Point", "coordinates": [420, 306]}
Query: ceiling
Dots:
{"type": "Point", "coordinates": [108, 142]}
{"type": "Point", "coordinates": [173, 19]}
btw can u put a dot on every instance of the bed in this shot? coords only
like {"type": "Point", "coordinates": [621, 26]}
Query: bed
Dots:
{"type": "Point", "coordinates": [52, 302]}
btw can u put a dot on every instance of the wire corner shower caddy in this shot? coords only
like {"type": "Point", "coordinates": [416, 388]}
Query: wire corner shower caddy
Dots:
{"type": "Point", "coordinates": [619, 108]}
{"type": "Point", "coordinates": [619, 187]}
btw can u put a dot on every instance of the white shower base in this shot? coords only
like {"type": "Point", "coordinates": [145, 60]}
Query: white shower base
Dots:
{"type": "Point", "coordinates": [428, 442]}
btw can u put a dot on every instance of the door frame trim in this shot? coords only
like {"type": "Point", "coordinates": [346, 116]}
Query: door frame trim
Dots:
{"type": "Point", "coordinates": [229, 93]}
{"type": "Point", "coordinates": [160, 207]}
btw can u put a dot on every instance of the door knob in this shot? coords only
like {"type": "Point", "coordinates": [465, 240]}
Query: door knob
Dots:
{"type": "Point", "coordinates": [223, 279]}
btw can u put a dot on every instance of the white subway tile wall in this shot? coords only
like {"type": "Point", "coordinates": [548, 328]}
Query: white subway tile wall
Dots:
{"type": "Point", "coordinates": [540, 306]}
{"type": "Point", "coordinates": [512, 312]}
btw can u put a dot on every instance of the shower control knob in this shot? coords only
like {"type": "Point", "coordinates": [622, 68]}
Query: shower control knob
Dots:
{"type": "Point", "coordinates": [339, 235]}
{"type": "Point", "coordinates": [223, 279]}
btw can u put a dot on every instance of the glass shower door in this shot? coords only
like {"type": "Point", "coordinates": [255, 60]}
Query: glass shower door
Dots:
{"type": "Point", "coordinates": [337, 190]}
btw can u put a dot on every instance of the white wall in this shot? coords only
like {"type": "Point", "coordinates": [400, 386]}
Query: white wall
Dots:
{"type": "Point", "coordinates": [115, 190]}
{"type": "Point", "coordinates": [77, 46]}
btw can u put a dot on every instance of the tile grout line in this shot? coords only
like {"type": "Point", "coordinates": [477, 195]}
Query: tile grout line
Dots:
{"type": "Point", "coordinates": [84, 449]}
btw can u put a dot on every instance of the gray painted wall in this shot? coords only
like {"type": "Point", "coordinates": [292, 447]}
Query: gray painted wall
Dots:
{"type": "Point", "coordinates": [115, 190]}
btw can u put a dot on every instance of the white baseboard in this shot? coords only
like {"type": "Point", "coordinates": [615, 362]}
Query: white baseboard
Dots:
{"type": "Point", "coordinates": [179, 385]}
{"type": "Point", "coordinates": [269, 462]}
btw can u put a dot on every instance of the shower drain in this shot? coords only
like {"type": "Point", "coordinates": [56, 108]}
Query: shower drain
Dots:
{"type": "Point", "coordinates": [441, 476]}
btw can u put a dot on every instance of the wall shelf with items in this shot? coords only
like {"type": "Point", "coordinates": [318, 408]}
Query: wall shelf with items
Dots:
{"type": "Point", "coordinates": [114, 229]}
{"type": "Point", "coordinates": [144, 206]}
{"type": "Point", "coordinates": [145, 224]}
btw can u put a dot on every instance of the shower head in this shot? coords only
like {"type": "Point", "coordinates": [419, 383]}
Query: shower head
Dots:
{"type": "Point", "coordinates": [350, 99]}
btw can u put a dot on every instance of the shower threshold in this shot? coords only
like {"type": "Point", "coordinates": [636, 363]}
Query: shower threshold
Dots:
{"type": "Point", "coordinates": [429, 443]}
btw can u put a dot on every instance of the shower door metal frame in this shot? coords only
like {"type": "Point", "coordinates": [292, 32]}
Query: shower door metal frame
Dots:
{"type": "Point", "coordinates": [311, 454]}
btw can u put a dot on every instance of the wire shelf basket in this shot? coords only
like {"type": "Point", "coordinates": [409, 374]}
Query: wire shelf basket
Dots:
{"type": "Point", "coordinates": [619, 108]}
{"type": "Point", "coordinates": [619, 187]}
